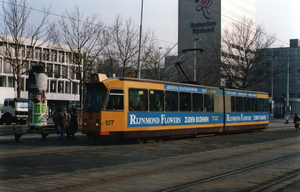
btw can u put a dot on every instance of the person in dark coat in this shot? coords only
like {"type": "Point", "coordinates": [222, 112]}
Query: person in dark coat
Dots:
{"type": "Point", "coordinates": [58, 120]}
{"type": "Point", "coordinates": [296, 121]}
{"type": "Point", "coordinates": [74, 123]}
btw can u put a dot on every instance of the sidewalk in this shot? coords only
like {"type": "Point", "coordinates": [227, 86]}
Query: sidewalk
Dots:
{"type": "Point", "coordinates": [281, 123]}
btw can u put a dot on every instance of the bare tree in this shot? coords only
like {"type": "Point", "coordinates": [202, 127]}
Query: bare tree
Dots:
{"type": "Point", "coordinates": [151, 60]}
{"type": "Point", "coordinates": [124, 43]}
{"type": "Point", "coordinates": [19, 38]}
{"type": "Point", "coordinates": [123, 51]}
{"type": "Point", "coordinates": [85, 39]}
{"type": "Point", "coordinates": [242, 58]}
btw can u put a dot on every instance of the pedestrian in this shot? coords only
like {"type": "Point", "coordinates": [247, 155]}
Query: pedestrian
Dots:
{"type": "Point", "coordinates": [55, 119]}
{"type": "Point", "coordinates": [66, 124]}
{"type": "Point", "coordinates": [74, 123]}
{"type": "Point", "coordinates": [296, 121]}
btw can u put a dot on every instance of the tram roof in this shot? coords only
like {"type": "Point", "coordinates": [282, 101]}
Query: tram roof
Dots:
{"type": "Point", "coordinates": [177, 83]}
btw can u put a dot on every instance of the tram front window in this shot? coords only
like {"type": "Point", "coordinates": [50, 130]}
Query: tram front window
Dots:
{"type": "Point", "coordinates": [93, 100]}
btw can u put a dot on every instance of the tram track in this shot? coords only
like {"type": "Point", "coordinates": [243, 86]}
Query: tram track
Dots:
{"type": "Point", "coordinates": [220, 176]}
{"type": "Point", "coordinates": [102, 180]}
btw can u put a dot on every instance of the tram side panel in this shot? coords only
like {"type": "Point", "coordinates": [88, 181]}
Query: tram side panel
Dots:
{"type": "Point", "coordinates": [245, 111]}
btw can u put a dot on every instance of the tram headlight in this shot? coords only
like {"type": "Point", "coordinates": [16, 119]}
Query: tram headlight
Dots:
{"type": "Point", "coordinates": [97, 123]}
{"type": "Point", "coordinates": [85, 122]}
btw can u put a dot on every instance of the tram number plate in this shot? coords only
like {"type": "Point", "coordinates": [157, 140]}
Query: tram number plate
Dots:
{"type": "Point", "coordinates": [109, 122]}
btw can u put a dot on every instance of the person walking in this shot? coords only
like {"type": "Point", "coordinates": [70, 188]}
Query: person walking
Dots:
{"type": "Point", "coordinates": [74, 123]}
{"type": "Point", "coordinates": [296, 121]}
{"type": "Point", "coordinates": [58, 120]}
{"type": "Point", "coordinates": [66, 124]}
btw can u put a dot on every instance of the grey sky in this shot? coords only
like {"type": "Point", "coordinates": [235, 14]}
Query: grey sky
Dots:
{"type": "Point", "coordinates": [161, 16]}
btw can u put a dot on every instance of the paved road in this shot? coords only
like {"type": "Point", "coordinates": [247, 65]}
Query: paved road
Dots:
{"type": "Point", "coordinates": [32, 157]}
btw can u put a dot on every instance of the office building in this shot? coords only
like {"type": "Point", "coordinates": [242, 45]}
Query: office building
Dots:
{"type": "Point", "coordinates": [201, 24]}
{"type": "Point", "coordinates": [63, 83]}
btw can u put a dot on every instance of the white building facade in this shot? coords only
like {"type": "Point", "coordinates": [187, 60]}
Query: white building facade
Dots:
{"type": "Point", "coordinates": [63, 83]}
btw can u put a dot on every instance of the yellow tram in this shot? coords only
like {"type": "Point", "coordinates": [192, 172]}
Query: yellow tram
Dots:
{"type": "Point", "coordinates": [121, 108]}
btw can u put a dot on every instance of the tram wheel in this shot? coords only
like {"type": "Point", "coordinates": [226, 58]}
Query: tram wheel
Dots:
{"type": "Point", "coordinates": [141, 140]}
{"type": "Point", "coordinates": [159, 139]}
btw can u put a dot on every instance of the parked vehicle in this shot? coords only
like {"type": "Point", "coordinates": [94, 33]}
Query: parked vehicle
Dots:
{"type": "Point", "coordinates": [14, 110]}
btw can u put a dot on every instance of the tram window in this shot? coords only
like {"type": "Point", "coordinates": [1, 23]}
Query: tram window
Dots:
{"type": "Point", "coordinates": [197, 102]}
{"type": "Point", "coordinates": [254, 104]}
{"type": "Point", "coordinates": [247, 104]}
{"type": "Point", "coordinates": [185, 101]}
{"type": "Point", "coordinates": [266, 101]}
{"type": "Point", "coordinates": [233, 104]}
{"type": "Point", "coordinates": [208, 103]}
{"type": "Point", "coordinates": [115, 100]}
{"type": "Point", "coordinates": [138, 99]}
{"type": "Point", "coordinates": [94, 99]}
{"type": "Point", "coordinates": [156, 98]}
{"type": "Point", "coordinates": [262, 105]}
{"type": "Point", "coordinates": [171, 103]}
{"type": "Point", "coordinates": [239, 104]}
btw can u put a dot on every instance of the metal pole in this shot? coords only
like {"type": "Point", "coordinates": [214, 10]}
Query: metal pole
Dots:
{"type": "Point", "coordinates": [287, 91]}
{"type": "Point", "coordinates": [140, 42]}
{"type": "Point", "coordinates": [195, 58]}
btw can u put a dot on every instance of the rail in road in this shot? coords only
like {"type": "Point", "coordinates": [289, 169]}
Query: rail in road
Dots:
{"type": "Point", "coordinates": [20, 130]}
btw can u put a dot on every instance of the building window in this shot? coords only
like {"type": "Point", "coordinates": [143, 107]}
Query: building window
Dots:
{"type": "Point", "coordinates": [23, 84]}
{"type": "Point", "coordinates": [52, 86]}
{"type": "Point", "coordinates": [11, 82]}
{"type": "Point", "coordinates": [50, 69]}
{"type": "Point", "coordinates": [68, 57]}
{"type": "Point", "coordinates": [74, 88]}
{"type": "Point", "coordinates": [29, 52]}
{"type": "Point", "coordinates": [61, 57]}
{"type": "Point", "coordinates": [64, 71]}
{"type": "Point", "coordinates": [60, 87]}
{"type": "Point", "coordinates": [23, 52]}
{"type": "Point", "coordinates": [2, 82]}
{"type": "Point", "coordinates": [38, 54]}
{"type": "Point", "coordinates": [68, 87]}
{"type": "Point", "coordinates": [57, 71]}
{"type": "Point", "coordinates": [53, 56]}
{"type": "Point", "coordinates": [46, 54]}
{"type": "Point", "coordinates": [26, 67]}
{"type": "Point", "coordinates": [1, 65]}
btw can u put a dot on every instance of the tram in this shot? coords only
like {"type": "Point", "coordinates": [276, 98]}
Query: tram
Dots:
{"type": "Point", "coordinates": [130, 108]}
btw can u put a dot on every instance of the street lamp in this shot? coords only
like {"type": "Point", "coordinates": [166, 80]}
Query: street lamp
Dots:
{"type": "Point", "coordinates": [287, 91]}
{"type": "Point", "coordinates": [195, 58]}
{"type": "Point", "coordinates": [272, 88]}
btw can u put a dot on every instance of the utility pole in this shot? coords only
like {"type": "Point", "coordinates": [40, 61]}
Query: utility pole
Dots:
{"type": "Point", "coordinates": [287, 91]}
{"type": "Point", "coordinates": [195, 58]}
{"type": "Point", "coordinates": [140, 42]}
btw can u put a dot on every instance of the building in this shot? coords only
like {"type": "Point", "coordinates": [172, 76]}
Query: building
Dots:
{"type": "Point", "coordinates": [284, 89]}
{"type": "Point", "coordinates": [201, 24]}
{"type": "Point", "coordinates": [63, 83]}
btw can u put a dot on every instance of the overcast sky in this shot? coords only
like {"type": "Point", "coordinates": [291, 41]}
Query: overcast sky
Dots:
{"type": "Point", "coordinates": [161, 16]}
